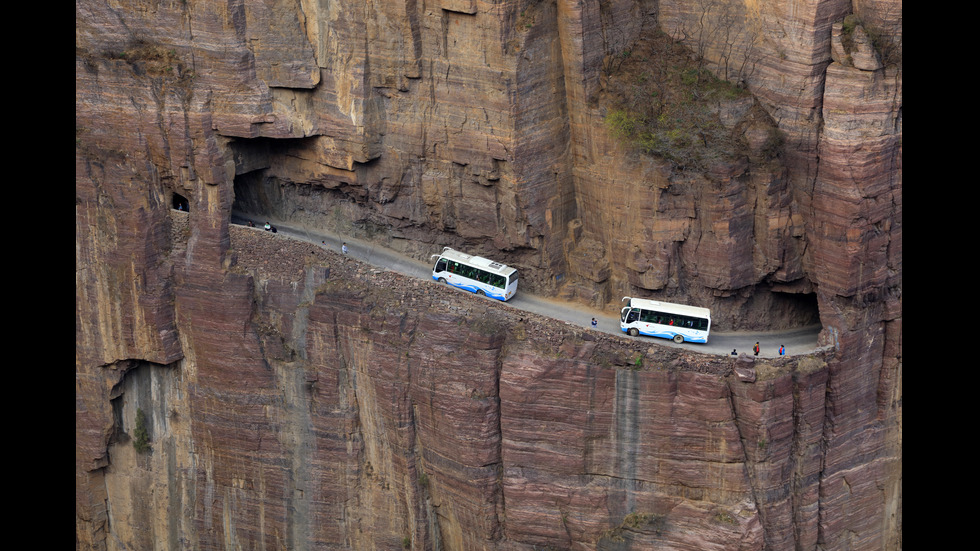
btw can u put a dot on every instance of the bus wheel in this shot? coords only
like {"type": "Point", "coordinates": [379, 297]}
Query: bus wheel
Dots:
{"type": "Point", "coordinates": [442, 280]}
{"type": "Point", "coordinates": [481, 293]}
{"type": "Point", "coordinates": [678, 338]}
{"type": "Point", "coordinates": [633, 332]}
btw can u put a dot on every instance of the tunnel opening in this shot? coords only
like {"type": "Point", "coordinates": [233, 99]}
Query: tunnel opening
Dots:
{"type": "Point", "coordinates": [767, 309]}
{"type": "Point", "coordinates": [179, 202]}
{"type": "Point", "coordinates": [252, 161]}
{"type": "Point", "coordinates": [280, 180]}
{"type": "Point", "coordinates": [262, 197]}
{"type": "Point", "coordinates": [795, 310]}
{"type": "Point", "coordinates": [254, 198]}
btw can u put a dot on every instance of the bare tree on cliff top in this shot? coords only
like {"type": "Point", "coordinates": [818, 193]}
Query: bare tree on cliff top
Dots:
{"type": "Point", "coordinates": [725, 34]}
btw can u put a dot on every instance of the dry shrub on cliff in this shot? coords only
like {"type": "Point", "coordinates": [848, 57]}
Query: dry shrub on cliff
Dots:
{"type": "Point", "coordinates": [851, 22]}
{"type": "Point", "coordinates": [635, 522]}
{"type": "Point", "coordinates": [141, 435]}
{"type": "Point", "coordinates": [152, 59]}
{"type": "Point", "coordinates": [889, 48]}
{"type": "Point", "coordinates": [665, 104]}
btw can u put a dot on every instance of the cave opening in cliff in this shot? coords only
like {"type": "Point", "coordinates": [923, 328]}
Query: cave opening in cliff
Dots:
{"type": "Point", "coordinates": [270, 181]}
{"type": "Point", "coordinates": [250, 200]}
{"type": "Point", "coordinates": [278, 181]}
{"type": "Point", "coordinates": [797, 309]}
{"type": "Point", "coordinates": [180, 202]}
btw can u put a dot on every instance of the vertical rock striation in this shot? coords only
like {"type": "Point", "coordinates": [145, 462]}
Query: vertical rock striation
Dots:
{"type": "Point", "coordinates": [293, 399]}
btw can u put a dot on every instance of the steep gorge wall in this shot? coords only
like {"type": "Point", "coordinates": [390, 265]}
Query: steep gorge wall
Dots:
{"type": "Point", "coordinates": [330, 405]}
{"type": "Point", "coordinates": [478, 125]}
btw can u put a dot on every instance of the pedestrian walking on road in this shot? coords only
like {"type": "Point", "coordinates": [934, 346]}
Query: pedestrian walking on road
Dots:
{"type": "Point", "coordinates": [595, 323]}
{"type": "Point", "coordinates": [756, 348]}
{"type": "Point", "coordinates": [782, 350]}
{"type": "Point", "coordinates": [343, 248]}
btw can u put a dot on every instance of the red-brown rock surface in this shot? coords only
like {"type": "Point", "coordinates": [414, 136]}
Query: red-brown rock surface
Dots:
{"type": "Point", "coordinates": [328, 404]}
{"type": "Point", "coordinates": [299, 400]}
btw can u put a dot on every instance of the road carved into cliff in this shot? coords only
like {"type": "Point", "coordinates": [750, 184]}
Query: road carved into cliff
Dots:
{"type": "Point", "coordinates": [796, 341]}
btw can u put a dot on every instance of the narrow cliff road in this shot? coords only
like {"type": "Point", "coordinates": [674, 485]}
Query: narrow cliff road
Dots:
{"type": "Point", "coordinates": [796, 341]}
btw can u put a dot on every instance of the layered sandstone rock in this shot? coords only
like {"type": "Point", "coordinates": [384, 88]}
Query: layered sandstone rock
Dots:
{"type": "Point", "coordinates": [323, 404]}
{"type": "Point", "coordinates": [291, 407]}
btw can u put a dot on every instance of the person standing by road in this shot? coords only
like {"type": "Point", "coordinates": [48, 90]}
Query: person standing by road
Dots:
{"type": "Point", "coordinates": [595, 324]}
{"type": "Point", "coordinates": [343, 248]}
{"type": "Point", "coordinates": [755, 348]}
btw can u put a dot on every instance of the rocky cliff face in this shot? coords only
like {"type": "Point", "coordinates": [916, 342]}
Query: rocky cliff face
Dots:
{"type": "Point", "coordinates": [325, 404]}
{"type": "Point", "coordinates": [297, 401]}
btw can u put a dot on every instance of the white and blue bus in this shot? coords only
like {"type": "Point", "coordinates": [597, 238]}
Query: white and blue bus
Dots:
{"type": "Point", "coordinates": [665, 320]}
{"type": "Point", "coordinates": [475, 274]}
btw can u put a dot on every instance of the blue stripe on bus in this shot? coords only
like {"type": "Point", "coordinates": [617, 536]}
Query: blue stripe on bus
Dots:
{"type": "Point", "coordinates": [473, 289]}
{"type": "Point", "coordinates": [666, 335]}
